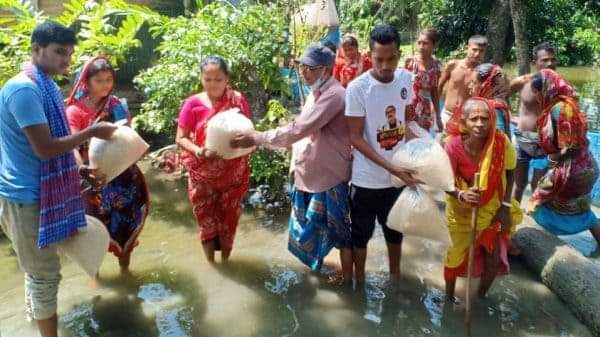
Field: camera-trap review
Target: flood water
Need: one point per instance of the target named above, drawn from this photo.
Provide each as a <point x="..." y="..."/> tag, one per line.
<point x="264" y="291"/>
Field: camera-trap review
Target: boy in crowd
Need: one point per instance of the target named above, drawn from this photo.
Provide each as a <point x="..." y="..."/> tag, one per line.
<point x="458" y="73"/>
<point x="40" y="201"/>
<point x="544" y="57"/>
<point x="379" y="97"/>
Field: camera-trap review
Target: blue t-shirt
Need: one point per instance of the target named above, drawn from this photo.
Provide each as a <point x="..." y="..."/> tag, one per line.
<point x="20" y="106"/>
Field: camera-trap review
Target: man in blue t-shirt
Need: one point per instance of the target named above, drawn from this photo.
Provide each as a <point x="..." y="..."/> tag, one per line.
<point x="26" y="140"/>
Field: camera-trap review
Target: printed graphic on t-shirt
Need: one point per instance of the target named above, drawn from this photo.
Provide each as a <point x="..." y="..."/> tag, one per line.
<point x="390" y="134"/>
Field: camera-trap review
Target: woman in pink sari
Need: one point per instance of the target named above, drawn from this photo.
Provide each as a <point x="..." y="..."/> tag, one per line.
<point x="216" y="186"/>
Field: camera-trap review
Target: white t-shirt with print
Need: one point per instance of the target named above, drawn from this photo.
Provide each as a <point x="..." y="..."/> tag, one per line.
<point x="383" y="106"/>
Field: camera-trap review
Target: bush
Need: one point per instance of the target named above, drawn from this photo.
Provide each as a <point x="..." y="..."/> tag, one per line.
<point x="253" y="39"/>
<point x="271" y="167"/>
<point x="571" y="25"/>
<point x="109" y="29"/>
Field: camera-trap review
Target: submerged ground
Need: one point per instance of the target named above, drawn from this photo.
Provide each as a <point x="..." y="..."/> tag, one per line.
<point x="265" y="291"/>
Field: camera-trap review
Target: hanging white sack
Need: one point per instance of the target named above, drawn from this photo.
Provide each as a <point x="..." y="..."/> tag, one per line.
<point x="415" y="213"/>
<point x="88" y="247"/>
<point x="222" y="128"/>
<point x="323" y="13"/>
<point x="427" y="157"/>
<point x="302" y="16"/>
<point x="113" y="156"/>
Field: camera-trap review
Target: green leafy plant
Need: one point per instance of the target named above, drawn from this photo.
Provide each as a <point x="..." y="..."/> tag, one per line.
<point x="252" y="38"/>
<point x="271" y="167"/>
<point x="107" y="28"/>
<point x="15" y="36"/>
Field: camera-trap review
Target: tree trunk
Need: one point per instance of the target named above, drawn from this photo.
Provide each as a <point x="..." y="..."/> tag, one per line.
<point x="518" y="14"/>
<point x="497" y="31"/>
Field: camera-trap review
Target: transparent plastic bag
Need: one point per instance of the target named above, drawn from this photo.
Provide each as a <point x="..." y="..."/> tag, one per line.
<point x="427" y="157"/>
<point x="221" y="129"/>
<point x="415" y="213"/>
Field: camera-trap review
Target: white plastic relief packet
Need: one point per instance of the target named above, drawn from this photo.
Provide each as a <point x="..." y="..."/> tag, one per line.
<point x="222" y="128"/>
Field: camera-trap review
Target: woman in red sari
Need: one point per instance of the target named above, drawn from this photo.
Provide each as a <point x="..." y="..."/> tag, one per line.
<point x="122" y="205"/>
<point x="215" y="186"/>
<point x="427" y="71"/>
<point x="562" y="200"/>
<point x="489" y="81"/>
<point x="350" y="63"/>
<point x="475" y="145"/>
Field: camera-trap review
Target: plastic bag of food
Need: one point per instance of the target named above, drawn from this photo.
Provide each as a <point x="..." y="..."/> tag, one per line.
<point x="319" y="13"/>
<point x="88" y="247"/>
<point x="427" y="157"/>
<point x="415" y="213"/>
<point x="113" y="156"/>
<point x="221" y="129"/>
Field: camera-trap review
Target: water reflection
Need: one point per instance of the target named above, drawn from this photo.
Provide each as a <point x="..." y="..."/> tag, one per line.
<point x="162" y="303"/>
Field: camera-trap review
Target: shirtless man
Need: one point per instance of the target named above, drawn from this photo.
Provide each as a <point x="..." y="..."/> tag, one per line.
<point x="458" y="73"/>
<point x="544" y="57"/>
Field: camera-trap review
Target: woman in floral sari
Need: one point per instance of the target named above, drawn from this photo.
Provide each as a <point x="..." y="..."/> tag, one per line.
<point x="489" y="81"/>
<point x="474" y="145"/>
<point x="350" y="63"/>
<point x="427" y="71"/>
<point x="562" y="201"/>
<point x="122" y="205"/>
<point x="215" y="186"/>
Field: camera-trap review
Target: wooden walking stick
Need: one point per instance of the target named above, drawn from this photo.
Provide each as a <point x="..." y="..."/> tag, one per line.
<point x="474" y="215"/>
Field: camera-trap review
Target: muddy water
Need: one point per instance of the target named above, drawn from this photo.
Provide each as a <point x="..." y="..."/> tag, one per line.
<point x="264" y="291"/>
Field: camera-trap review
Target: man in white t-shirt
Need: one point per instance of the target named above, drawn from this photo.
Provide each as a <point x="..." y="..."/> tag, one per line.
<point x="376" y="105"/>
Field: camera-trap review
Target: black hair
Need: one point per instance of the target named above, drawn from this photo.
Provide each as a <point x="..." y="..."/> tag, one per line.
<point x="350" y="40"/>
<point x="483" y="71"/>
<point x="431" y="34"/>
<point x="537" y="81"/>
<point x="546" y="46"/>
<point x="98" y="66"/>
<point x="216" y="60"/>
<point x="478" y="40"/>
<point x="330" y="45"/>
<point x="53" y="32"/>
<point x="384" y="34"/>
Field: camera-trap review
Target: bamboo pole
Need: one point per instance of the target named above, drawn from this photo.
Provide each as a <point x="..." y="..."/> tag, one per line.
<point x="474" y="215"/>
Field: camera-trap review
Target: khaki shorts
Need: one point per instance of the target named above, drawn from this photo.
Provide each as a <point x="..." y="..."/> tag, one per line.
<point x="20" y="222"/>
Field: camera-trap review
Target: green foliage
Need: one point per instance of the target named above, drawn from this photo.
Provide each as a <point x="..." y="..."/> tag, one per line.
<point x="571" y="25"/>
<point x="15" y="36"/>
<point x="455" y="20"/>
<point x="271" y="167"/>
<point x="359" y="17"/>
<point x="253" y="39"/>
<point x="108" y="28"/>
<point x="304" y="35"/>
